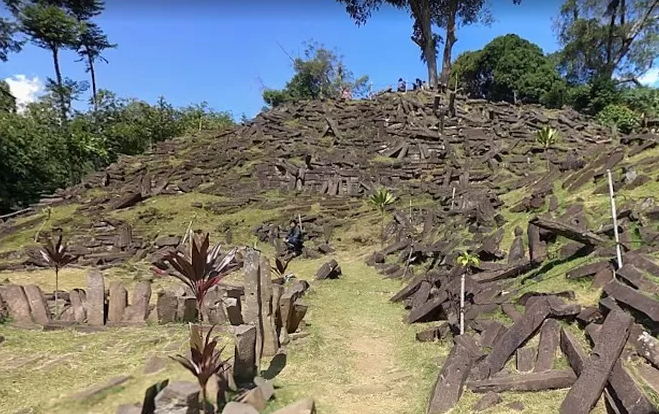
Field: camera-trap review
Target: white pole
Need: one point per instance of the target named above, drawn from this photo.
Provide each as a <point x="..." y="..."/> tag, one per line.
<point x="462" y="304"/>
<point x="615" y="220"/>
<point x="453" y="198"/>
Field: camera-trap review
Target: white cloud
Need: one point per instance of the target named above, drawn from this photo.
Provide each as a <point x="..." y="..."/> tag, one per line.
<point x="650" y="78"/>
<point x="24" y="89"/>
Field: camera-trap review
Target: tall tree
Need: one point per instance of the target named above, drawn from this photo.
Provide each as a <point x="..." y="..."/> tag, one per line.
<point x="425" y="14"/>
<point x="49" y="27"/>
<point x="608" y="38"/>
<point x="91" y="41"/>
<point x="7" y="100"/>
<point x="8" y="41"/>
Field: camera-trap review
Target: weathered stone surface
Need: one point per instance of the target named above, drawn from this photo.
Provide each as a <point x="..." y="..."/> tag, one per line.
<point x="438" y="332"/>
<point x="635" y="277"/>
<point x="549" y="339"/>
<point x="450" y="381"/>
<point x="650" y="375"/>
<point x="166" y="306"/>
<point x="525" y="359"/>
<point x="244" y="365"/>
<point x="634" y="299"/>
<point x="129" y="409"/>
<point x="37" y="302"/>
<point x="299" y="311"/>
<point x="259" y="396"/>
<point x="234" y="311"/>
<point x="234" y="407"/>
<point x="490" y="399"/>
<point x="492" y="333"/>
<point x="625" y="395"/>
<point x="572" y="350"/>
<point x="252" y="313"/>
<point x="513" y="338"/>
<point x="118" y="301"/>
<point x="153" y="364"/>
<point x="138" y="310"/>
<point x="270" y="338"/>
<point x="586" y="391"/>
<point x="178" y="397"/>
<point x="536" y="381"/>
<point x="305" y="406"/>
<point x="16" y="300"/>
<point x="95" y="301"/>
<point x="78" y="297"/>
<point x="588" y="270"/>
<point x="329" y="270"/>
<point x="645" y="344"/>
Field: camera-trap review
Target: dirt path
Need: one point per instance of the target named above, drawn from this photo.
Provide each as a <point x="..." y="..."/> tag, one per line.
<point x="360" y="357"/>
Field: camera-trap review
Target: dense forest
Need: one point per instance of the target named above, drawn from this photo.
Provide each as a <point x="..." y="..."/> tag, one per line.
<point x="49" y="144"/>
<point x="606" y="48"/>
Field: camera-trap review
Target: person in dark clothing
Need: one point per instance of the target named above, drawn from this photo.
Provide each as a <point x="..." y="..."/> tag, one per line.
<point x="402" y="87"/>
<point x="294" y="238"/>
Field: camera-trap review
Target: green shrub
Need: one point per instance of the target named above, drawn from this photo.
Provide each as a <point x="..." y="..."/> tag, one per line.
<point x="622" y="117"/>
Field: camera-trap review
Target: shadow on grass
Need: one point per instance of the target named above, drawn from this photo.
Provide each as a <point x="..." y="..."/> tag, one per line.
<point x="277" y="365"/>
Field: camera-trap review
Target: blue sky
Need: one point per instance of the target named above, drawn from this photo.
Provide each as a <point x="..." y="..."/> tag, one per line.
<point x="226" y="53"/>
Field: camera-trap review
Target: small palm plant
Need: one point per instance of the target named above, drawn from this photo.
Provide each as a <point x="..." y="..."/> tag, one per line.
<point x="204" y="362"/>
<point x="200" y="268"/>
<point x="381" y="199"/>
<point x="54" y="252"/>
<point x="465" y="260"/>
<point x="546" y="137"/>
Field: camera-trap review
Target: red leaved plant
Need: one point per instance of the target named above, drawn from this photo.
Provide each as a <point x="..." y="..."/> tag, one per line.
<point x="280" y="266"/>
<point x="205" y="361"/>
<point x="200" y="268"/>
<point x="55" y="254"/>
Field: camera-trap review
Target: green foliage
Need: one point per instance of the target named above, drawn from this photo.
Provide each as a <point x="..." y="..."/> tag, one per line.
<point x="467" y="259"/>
<point x="381" y="199"/>
<point x="320" y="74"/>
<point x="7" y="100"/>
<point x="602" y="38"/>
<point x="642" y="100"/>
<point x="505" y="67"/>
<point x="623" y="118"/>
<point x="547" y="137"/>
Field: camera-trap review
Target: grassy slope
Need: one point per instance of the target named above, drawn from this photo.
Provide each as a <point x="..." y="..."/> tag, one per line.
<point x="360" y="357"/>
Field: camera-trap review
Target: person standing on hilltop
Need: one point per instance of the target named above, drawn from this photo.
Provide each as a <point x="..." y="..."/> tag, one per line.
<point x="402" y="87"/>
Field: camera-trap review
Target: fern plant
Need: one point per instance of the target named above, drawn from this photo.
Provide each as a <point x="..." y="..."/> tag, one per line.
<point x="381" y="199"/>
<point x="546" y="137"/>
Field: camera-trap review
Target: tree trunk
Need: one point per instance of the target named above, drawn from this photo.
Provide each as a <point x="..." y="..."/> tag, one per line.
<point x="60" y="84"/>
<point x="431" y="61"/>
<point x="92" y="73"/>
<point x="449" y="41"/>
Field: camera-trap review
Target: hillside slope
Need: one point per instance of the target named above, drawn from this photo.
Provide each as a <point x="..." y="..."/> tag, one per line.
<point x="468" y="175"/>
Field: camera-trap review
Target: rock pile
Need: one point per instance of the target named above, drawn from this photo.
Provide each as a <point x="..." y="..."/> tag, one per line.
<point x="418" y="144"/>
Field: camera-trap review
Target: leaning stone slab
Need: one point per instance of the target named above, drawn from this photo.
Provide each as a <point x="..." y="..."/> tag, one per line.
<point x="166" y="306"/>
<point x="513" y="338"/>
<point x="536" y="381"/>
<point x="490" y="399"/>
<point x="572" y="350"/>
<point x="38" y="305"/>
<point x="244" y="365"/>
<point x="588" y="270"/>
<point x="15" y="298"/>
<point x="270" y="339"/>
<point x="633" y="298"/>
<point x="549" y="338"/>
<point x="650" y="375"/>
<point x="587" y="390"/>
<point x="95" y="298"/>
<point x="178" y="397"/>
<point x="138" y="311"/>
<point x="637" y="279"/>
<point x="525" y="359"/>
<point x="234" y="407"/>
<point x="118" y="301"/>
<point x="450" y="381"/>
<point x="626" y="395"/>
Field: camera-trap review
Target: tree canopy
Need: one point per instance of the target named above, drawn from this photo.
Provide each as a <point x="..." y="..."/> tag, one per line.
<point x="321" y="73"/>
